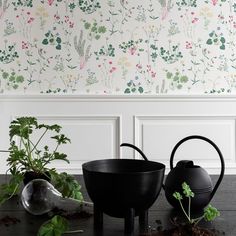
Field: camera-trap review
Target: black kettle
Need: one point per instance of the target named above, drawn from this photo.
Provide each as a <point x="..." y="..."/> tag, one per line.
<point x="195" y="176"/>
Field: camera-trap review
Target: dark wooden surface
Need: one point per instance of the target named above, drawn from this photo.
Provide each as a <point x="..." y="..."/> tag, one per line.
<point x="224" y="201"/>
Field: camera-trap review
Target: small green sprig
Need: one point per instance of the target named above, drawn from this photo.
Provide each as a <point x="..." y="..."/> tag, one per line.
<point x="57" y="226"/>
<point x="210" y="212"/>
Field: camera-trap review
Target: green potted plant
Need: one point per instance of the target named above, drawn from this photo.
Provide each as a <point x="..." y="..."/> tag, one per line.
<point x="29" y="159"/>
<point x="189" y="227"/>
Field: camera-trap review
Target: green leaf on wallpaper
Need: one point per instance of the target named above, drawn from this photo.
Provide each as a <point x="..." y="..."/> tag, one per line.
<point x="222" y="47"/>
<point x="179" y="86"/>
<point x="209" y="41"/>
<point x="127" y="90"/>
<point x="47" y="34"/>
<point x="169" y="75"/>
<point x="133" y="90"/>
<point x="19" y="79"/>
<point x="222" y="40"/>
<point x="176" y="78"/>
<point x="58" y="47"/>
<point x="58" y="39"/>
<point x="87" y="25"/>
<point x="5" y="75"/>
<point x="140" y="89"/>
<point x="97" y="37"/>
<point x="212" y="33"/>
<point x="51" y="40"/>
<point x="31" y="63"/>
<point x="45" y="42"/>
<point x="102" y="29"/>
<point x="184" y="79"/>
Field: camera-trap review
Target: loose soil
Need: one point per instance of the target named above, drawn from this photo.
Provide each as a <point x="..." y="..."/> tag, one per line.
<point x="8" y="221"/>
<point x="186" y="230"/>
<point x="69" y="215"/>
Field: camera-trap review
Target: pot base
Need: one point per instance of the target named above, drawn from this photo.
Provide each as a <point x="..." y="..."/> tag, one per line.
<point x="128" y="220"/>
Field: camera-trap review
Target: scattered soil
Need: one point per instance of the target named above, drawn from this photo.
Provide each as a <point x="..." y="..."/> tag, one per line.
<point x="74" y="215"/>
<point x="183" y="229"/>
<point x="8" y="221"/>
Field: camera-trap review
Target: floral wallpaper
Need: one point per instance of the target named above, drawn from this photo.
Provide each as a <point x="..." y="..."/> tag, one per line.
<point x="117" y="47"/>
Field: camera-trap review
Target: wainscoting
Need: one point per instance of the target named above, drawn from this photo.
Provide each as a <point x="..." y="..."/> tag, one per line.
<point x="97" y="125"/>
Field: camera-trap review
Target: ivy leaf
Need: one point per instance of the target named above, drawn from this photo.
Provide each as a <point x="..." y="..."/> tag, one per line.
<point x="140" y="89"/>
<point x="209" y="42"/>
<point x="222" y="47"/>
<point x="57" y="226"/>
<point x="169" y="75"/>
<point x="184" y="79"/>
<point x="127" y="90"/>
<point x="45" y="42"/>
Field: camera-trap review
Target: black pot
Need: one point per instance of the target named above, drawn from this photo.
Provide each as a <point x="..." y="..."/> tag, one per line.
<point x="31" y="175"/>
<point x="195" y="176"/>
<point x="123" y="187"/>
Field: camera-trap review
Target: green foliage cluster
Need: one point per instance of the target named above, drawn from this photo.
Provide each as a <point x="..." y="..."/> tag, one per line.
<point x="55" y="227"/>
<point x="105" y="51"/>
<point x="89" y="6"/>
<point x="210" y="212"/>
<point x="172" y="55"/>
<point x="9" y="54"/>
<point x="133" y="87"/>
<point x="52" y="39"/>
<point x="13" y="80"/>
<point x="95" y="31"/>
<point x="187" y="3"/>
<point x="22" y="3"/>
<point x="178" y="80"/>
<point x="216" y="39"/>
<point x="131" y="44"/>
<point x="25" y="156"/>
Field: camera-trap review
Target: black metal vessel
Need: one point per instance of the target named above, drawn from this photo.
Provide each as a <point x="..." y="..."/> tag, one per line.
<point x="123" y="188"/>
<point x="195" y="176"/>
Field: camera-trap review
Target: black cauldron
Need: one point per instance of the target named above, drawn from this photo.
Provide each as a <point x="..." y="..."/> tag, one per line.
<point x="123" y="188"/>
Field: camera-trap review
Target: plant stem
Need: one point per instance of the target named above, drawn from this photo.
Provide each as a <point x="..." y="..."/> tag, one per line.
<point x="28" y="154"/>
<point x="189" y="206"/>
<point x="39" y="139"/>
<point x="197" y="220"/>
<point x="50" y="159"/>
<point x="74" y="231"/>
<point x="184" y="211"/>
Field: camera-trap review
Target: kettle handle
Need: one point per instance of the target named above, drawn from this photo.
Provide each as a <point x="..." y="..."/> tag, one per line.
<point x="216" y="148"/>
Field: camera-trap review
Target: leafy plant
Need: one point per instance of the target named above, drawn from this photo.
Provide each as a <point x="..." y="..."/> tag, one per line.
<point x="89" y="6"/>
<point x="216" y="39"/>
<point x="12" y="79"/>
<point x="55" y="227"/>
<point x="9" y="54"/>
<point x="25" y="156"/>
<point x="95" y="30"/>
<point x="51" y="39"/>
<point x="210" y="212"/>
<point x="177" y="80"/>
<point x="134" y="87"/>
<point x="171" y="55"/>
<point x="108" y="51"/>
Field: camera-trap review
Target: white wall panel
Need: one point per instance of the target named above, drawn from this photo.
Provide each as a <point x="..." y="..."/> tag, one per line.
<point x="98" y="124"/>
<point x="157" y="136"/>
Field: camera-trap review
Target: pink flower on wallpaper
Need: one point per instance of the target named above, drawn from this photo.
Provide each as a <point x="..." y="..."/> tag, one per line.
<point x="214" y="2"/>
<point x="132" y="50"/>
<point x="50" y="2"/>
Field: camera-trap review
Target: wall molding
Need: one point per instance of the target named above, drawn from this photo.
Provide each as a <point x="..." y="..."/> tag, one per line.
<point x="118" y="98"/>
